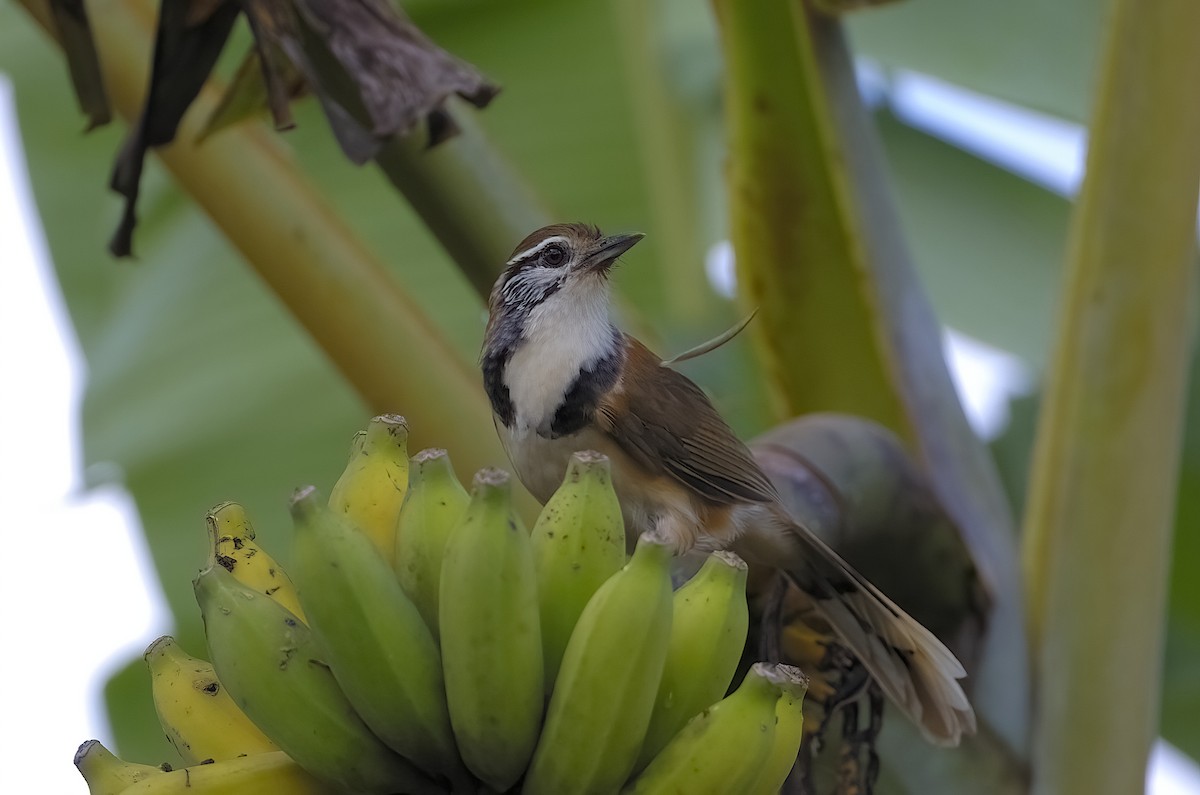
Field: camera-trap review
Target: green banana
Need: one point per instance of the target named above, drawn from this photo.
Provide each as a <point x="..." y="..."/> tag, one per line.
<point x="789" y="731"/>
<point x="197" y="714"/>
<point x="372" y="487"/>
<point x="722" y="749"/>
<point x="491" y="644"/>
<point x="708" y="632"/>
<point x="271" y="773"/>
<point x="374" y="640"/>
<point x="602" y="700"/>
<point x="435" y="503"/>
<point x="233" y="546"/>
<point x="578" y="543"/>
<point x="108" y="774"/>
<point x="274" y="669"/>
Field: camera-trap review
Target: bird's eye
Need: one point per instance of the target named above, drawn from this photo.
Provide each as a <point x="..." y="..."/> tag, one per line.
<point x="554" y="256"/>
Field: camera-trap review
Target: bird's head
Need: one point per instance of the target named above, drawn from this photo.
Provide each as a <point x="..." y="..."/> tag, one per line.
<point x="559" y="270"/>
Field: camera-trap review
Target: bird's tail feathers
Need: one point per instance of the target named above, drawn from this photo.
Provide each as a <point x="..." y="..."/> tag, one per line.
<point x="913" y="668"/>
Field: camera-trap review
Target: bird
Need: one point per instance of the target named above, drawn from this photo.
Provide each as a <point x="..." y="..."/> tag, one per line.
<point x="562" y="377"/>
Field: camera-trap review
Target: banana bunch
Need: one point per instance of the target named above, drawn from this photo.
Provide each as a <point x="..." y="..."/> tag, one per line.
<point x="426" y="642"/>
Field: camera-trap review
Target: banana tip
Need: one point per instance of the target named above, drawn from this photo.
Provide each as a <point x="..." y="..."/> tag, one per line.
<point x="157" y="646"/>
<point x="85" y="750"/>
<point x="492" y="476"/>
<point x="785" y="676"/>
<point x="429" y="454"/>
<point x="589" y="456"/>
<point x="730" y="559"/>
<point x="395" y="423"/>
<point x="302" y="498"/>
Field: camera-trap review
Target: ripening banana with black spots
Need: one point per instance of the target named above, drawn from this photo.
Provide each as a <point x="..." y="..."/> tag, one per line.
<point x="789" y="731"/>
<point x="234" y="546"/>
<point x="274" y="669"/>
<point x="491" y="644"/>
<point x="721" y="750"/>
<point x="374" y="639"/>
<point x="610" y="672"/>
<point x="273" y="773"/>
<point x="372" y="487"/>
<point x="196" y="712"/>
<point x="435" y="503"/>
<point x="578" y="543"/>
<point x="709" y="622"/>
<point x="108" y="774"/>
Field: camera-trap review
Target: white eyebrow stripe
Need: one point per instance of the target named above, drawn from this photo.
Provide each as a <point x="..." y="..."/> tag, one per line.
<point x="529" y="252"/>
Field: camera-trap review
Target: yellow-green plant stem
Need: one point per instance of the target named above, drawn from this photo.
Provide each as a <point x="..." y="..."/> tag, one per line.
<point x="1105" y="465"/>
<point x="844" y="324"/>
<point x="392" y="353"/>
<point x="800" y="257"/>
<point x="468" y="196"/>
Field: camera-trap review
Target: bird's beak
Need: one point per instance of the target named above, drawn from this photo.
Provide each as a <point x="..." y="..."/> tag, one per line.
<point x="606" y="250"/>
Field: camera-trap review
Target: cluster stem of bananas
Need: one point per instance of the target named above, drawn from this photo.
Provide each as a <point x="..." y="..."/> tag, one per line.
<point x="431" y="644"/>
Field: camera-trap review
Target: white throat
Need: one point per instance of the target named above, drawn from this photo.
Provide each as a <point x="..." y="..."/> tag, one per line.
<point x="566" y="333"/>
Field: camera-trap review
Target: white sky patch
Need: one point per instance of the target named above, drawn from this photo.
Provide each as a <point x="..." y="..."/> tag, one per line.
<point x="986" y="378"/>
<point x="718" y="264"/>
<point x="79" y="595"/>
<point x="1046" y="150"/>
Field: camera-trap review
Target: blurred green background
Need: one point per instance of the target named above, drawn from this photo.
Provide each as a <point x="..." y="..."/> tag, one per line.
<point x="202" y="388"/>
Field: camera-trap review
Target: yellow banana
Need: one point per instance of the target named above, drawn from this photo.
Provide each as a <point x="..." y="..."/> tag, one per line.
<point x="578" y="543"/>
<point x="374" y="640"/>
<point x="435" y="503"/>
<point x="491" y="645"/>
<point x="199" y="717"/>
<point x="602" y="700"/>
<point x="721" y="750"/>
<point x="372" y="487"/>
<point x="789" y="731"/>
<point x="108" y="774"/>
<point x="272" y="773"/>
<point x="274" y="669"/>
<point x="708" y="631"/>
<point x="234" y="547"/>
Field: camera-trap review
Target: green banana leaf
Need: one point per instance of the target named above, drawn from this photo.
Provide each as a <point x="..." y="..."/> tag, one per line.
<point x="204" y="389"/>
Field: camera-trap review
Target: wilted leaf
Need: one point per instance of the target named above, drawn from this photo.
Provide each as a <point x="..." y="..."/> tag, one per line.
<point x="184" y="54"/>
<point x="71" y="19"/>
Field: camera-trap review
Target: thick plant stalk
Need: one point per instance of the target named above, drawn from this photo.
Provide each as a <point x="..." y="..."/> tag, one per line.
<point x="390" y="351"/>
<point x="844" y="325"/>
<point x="468" y="196"/>
<point x="1105" y="466"/>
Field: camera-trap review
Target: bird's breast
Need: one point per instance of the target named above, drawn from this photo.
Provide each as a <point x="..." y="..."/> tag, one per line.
<point x="541" y="461"/>
<point x="554" y="382"/>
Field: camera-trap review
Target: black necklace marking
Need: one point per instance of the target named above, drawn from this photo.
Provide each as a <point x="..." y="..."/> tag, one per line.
<point x="493" y="383"/>
<point x="581" y="399"/>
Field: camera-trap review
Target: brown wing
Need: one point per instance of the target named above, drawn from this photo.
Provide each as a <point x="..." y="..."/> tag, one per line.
<point x="667" y="424"/>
